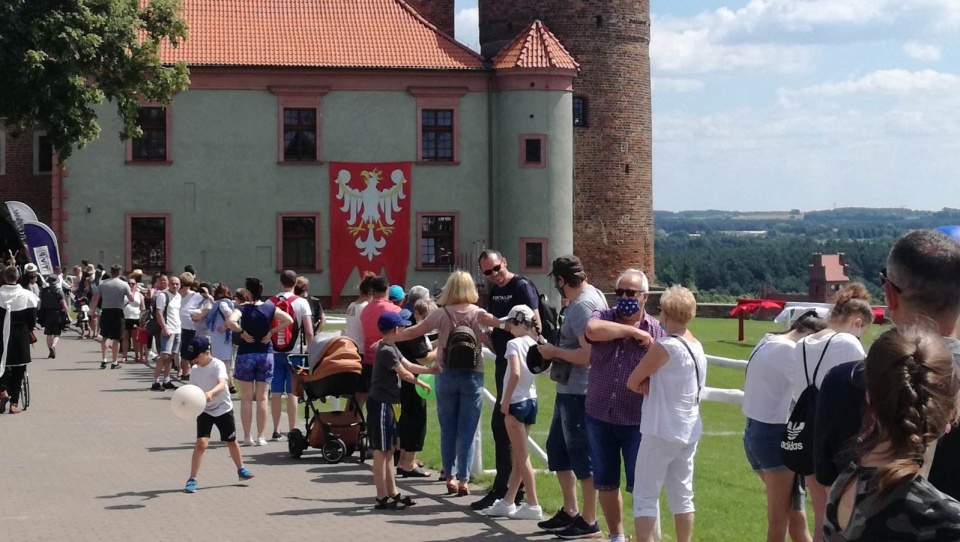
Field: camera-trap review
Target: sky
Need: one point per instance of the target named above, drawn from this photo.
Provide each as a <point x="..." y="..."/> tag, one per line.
<point x="800" y="104"/>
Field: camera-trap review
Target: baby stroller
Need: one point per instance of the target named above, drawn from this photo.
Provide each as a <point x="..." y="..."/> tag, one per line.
<point x="334" y="371"/>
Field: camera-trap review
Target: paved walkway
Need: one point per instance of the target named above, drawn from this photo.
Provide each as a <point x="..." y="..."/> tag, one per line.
<point x="98" y="456"/>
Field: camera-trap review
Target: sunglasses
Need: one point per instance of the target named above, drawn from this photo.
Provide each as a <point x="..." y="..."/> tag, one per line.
<point x="492" y="270"/>
<point x="626" y="291"/>
<point x="885" y="280"/>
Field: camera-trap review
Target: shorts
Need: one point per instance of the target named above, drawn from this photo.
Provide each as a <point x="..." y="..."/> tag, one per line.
<point x="382" y="424"/>
<point x="254" y="367"/>
<point x="525" y="411"/>
<point x="52" y="324"/>
<point x="661" y="463"/>
<point x="131" y="323"/>
<point x="568" y="447"/>
<point x="281" y="382"/>
<point x="224" y="422"/>
<point x="609" y="442"/>
<point x="761" y="443"/>
<point x="186" y="336"/>
<point x="366" y="377"/>
<point x="169" y="345"/>
<point x="111" y="324"/>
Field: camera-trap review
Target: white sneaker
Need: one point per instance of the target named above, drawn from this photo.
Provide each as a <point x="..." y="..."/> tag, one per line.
<point x="261" y="441"/>
<point x="525" y="511"/>
<point x="247" y="442"/>
<point x="500" y="509"/>
<point x="151" y="355"/>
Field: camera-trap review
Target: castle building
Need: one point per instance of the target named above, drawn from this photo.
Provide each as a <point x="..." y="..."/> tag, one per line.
<point x="334" y="137"/>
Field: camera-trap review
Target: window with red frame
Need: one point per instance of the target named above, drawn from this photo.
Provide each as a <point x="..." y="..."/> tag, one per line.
<point x="437" y="243"/>
<point x="299" y="242"/>
<point x="152" y="145"/>
<point x="436" y="132"/>
<point x="148" y="244"/>
<point x="299" y="134"/>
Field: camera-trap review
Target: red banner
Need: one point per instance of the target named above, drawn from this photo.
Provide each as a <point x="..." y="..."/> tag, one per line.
<point x="369" y="221"/>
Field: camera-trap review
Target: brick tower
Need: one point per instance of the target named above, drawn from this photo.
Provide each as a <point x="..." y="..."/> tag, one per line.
<point x="613" y="166"/>
<point x="438" y="12"/>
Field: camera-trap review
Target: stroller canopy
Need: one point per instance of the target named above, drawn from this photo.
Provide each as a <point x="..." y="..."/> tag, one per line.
<point x="330" y="353"/>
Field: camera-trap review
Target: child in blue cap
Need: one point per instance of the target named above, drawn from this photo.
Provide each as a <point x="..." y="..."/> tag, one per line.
<point x="383" y="407"/>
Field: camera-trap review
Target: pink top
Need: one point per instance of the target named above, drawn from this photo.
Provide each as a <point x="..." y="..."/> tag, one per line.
<point x="368" y="320"/>
<point x="440" y="321"/>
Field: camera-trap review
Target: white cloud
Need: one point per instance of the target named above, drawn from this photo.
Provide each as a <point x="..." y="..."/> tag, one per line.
<point x="467" y="28"/>
<point x="888" y="82"/>
<point x="924" y="52"/>
<point x="696" y="51"/>
<point x="669" y="84"/>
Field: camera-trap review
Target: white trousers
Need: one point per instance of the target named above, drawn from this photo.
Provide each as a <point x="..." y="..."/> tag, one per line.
<point x="663" y="462"/>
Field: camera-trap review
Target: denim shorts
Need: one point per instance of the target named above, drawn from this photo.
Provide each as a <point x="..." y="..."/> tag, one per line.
<point x="609" y="443"/>
<point x="568" y="448"/>
<point x="525" y="411"/>
<point x="281" y="374"/>
<point x="761" y="442"/>
<point x="170" y="345"/>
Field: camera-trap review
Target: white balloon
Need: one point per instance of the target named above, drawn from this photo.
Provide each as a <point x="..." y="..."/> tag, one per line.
<point x="188" y="402"/>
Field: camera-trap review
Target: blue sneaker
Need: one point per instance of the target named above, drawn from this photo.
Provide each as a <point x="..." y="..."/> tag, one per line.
<point x="244" y="474"/>
<point x="191" y="486"/>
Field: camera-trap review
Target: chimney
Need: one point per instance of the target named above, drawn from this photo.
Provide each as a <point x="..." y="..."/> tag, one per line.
<point x="438" y="12"/>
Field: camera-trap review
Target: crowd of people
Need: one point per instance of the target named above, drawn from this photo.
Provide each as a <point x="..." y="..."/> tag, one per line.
<point x="866" y="434"/>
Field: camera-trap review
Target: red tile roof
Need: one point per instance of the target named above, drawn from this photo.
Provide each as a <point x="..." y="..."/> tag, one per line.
<point x="315" y="33"/>
<point x="832" y="269"/>
<point x="535" y="47"/>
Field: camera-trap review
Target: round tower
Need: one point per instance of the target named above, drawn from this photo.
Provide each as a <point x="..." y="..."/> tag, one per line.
<point x="613" y="165"/>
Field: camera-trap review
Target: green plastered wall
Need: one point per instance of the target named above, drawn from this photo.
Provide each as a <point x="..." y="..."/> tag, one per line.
<point x="534" y="202"/>
<point x="224" y="187"/>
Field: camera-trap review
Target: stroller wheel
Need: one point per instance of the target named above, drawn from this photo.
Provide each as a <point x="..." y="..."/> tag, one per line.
<point x="296" y="443"/>
<point x="334" y="450"/>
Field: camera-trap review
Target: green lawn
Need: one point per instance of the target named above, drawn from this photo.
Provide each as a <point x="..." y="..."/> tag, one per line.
<point x="729" y="497"/>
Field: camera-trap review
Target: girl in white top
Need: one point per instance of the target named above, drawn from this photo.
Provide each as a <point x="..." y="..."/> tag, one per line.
<point x="354" y="327"/>
<point x="847" y="323"/>
<point x="131" y="317"/>
<point x="671" y="377"/>
<point x="767" y="388"/>
<point x="519" y="406"/>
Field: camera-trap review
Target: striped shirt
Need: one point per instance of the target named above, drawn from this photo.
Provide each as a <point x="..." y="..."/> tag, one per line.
<point x="611" y="362"/>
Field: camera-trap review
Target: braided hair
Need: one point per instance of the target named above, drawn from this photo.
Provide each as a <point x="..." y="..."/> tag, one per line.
<point x="912" y="387"/>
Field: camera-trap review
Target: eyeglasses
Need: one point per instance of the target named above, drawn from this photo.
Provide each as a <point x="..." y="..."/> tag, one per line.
<point x="885" y="280"/>
<point x="492" y="270"/>
<point x="626" y="291"/>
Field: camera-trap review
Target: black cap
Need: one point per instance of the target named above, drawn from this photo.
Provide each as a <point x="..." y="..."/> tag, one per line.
<point x="535" y="361"/>
<point x="566" y="266"/>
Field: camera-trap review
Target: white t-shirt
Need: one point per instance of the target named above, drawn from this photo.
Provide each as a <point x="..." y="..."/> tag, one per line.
<point x="207" y="378"/>
<point x="768" y="384"/>
<point x="354" y="327"/>
<point x="131" y="310"/>
<point x="526" y="387"/>
<point x="843" y="347"/>
<point x="188" y="304"/>
<point x="173" y="312"/>
<point x="671" y="410"/>
<point x="301" y="307"/>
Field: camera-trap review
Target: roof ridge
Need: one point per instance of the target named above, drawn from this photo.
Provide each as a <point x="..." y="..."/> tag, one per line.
<point x="426" y="22"/>
<point x="533" y="46"/>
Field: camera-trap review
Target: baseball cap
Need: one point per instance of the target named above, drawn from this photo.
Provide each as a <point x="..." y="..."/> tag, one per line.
<point x="535" y="361"/>
<point x="198" y="345"/>
<point x="564" y="266"/>
<point x="396" y="293"/>
<point x="520" y="313"/>
<point x="52" y="279"/>
<point x="406" y="314"/>
<point x="389" y="321"/>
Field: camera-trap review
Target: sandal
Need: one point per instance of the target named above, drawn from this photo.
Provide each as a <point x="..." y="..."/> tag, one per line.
<point x="404" y="501"/>
<point x="451" y="486"/>
<point x="463" y="490"/>
<point x="414" y="473"/>
<point x="388" y="503"/>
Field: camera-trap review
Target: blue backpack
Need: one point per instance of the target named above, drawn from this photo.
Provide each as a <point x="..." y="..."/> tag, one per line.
<point x="211" y="318"/>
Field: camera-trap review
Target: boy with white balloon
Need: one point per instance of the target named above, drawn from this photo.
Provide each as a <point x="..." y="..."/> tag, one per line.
<point x="207" y="401"/>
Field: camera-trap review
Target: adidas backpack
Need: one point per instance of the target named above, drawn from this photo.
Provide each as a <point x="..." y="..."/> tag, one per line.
<point x="286" y="339"/>
<point x="462" y="350"/>
<point x="796" y="447"/>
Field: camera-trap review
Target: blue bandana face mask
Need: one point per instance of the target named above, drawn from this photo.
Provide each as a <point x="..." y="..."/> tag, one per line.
<point x="628" y="306"/>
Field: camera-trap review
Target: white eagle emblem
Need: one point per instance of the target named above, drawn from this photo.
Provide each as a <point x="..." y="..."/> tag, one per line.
<point x="369" y="203"/>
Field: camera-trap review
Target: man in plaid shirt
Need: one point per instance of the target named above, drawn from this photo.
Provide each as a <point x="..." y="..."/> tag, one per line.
<point x="619" y="339"/>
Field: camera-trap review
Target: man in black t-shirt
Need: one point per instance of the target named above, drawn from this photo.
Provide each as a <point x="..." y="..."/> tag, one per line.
<point x="507" y="291"/>
<point x="921" y="284"/>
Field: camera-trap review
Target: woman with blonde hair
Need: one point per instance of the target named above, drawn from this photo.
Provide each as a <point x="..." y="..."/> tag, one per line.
<point x="459" y="385"/>
<point x="911" y="387"/>
<point x="671" y="377"/>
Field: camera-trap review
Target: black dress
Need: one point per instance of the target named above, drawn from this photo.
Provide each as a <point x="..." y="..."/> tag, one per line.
<point x="20" y="306"/>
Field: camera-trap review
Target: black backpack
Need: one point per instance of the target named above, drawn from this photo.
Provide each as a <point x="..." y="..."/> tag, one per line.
<point x="49" y="299"/>
<point x="796" y="447"/>
<point x="549" y="321"/>
<point x="462" y="350"/>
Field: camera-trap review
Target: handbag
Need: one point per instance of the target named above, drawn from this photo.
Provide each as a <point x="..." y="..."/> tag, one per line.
<point x="33" y="337"/>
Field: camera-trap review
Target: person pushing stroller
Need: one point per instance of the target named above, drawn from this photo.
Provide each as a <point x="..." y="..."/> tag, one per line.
<point x="383" y="407"/>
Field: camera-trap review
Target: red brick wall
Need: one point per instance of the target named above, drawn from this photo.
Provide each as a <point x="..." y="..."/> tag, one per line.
<point x="613" y="164"/>
<point x="18" y="183"/>
<point x="438" y="12"/>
